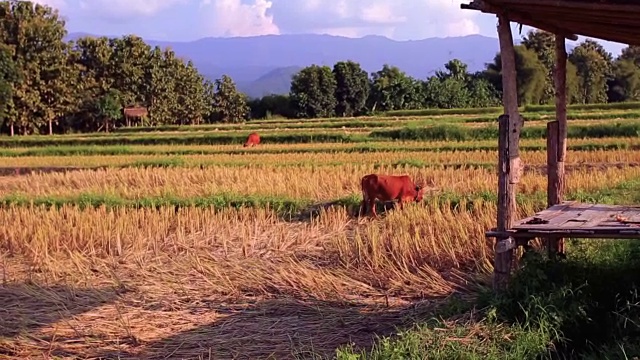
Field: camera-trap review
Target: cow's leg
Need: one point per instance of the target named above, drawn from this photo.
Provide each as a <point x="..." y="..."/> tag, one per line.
<point x="372" y="205"/>
<point x="363" y="205"/>
<point x="401" y="203"/>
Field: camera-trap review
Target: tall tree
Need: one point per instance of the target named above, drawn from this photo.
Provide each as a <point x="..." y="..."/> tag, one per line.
<point x="127" y="65"/>
<point x="625" y="84"/>
<point x="530" y="75"/>
<point x="8" y="75"/>
<point x="631" y="53"/>
<point x="109" y="108"/>
<point x="191" y="96"/>
<point x="35" y="34"/>
<point x="393" y="89"/>
<point x="625" y="81"/>
<point x="543" y="43"/>
<point x="352" y="88"/>
<point x="313" y="92"/>
<point x="229" y="105"/>
<point x="448" y="89"/>
<point x="594" y="68"/>
<point x="456" y="69"/>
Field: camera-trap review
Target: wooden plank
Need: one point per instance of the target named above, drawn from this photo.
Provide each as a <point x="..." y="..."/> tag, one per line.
<point x="588" y="216"/>
<point x="584" y="234"/>
<point x="635" y="217"/>
<point x="605" y="233"/>
<point x="565" y="218"/>
<point x="545" y="214"/>
<point x="554" y="218"/>
<point x="621" y="217"/>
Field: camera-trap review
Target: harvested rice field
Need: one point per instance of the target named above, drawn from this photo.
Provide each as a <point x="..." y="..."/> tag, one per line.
<point x="179" y="243"/>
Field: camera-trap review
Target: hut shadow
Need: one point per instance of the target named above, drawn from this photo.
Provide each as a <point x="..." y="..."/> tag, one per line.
<point x="26" y="308"/>
<point x="282" y="329"/>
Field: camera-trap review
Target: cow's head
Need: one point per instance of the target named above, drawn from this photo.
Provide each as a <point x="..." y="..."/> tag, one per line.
<point x="419" y="193"/>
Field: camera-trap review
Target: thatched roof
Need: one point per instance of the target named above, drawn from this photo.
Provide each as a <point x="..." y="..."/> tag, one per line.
<point x="613" y="20"/>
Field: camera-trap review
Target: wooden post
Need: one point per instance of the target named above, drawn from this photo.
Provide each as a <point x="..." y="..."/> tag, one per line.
<point x="509" y="164"/>
<point x="557" y="139"/>
<point x="553" y="195"/>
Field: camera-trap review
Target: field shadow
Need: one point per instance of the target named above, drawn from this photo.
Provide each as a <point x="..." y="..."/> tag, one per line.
<point x="27" y="308"/>
<point x="23" y="171"/>
<point x="282" y="329"/>
<point x="353" y="209"/>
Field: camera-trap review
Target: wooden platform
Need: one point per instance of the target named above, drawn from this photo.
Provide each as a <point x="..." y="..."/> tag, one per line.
<point x="579" y="220"/>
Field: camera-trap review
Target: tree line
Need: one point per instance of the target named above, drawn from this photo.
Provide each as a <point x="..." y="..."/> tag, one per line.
<point x="593" y="76"/>
<point x="49" y="85"/>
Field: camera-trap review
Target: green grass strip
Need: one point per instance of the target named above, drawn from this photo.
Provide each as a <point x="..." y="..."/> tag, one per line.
<point x="459" y="133"/>
<point x="116" y="150"/>
<point x="438" y="132"/>
<point x="362" y="123"/>
<point x="227" y="200"/>
<point x="528" y="108"/>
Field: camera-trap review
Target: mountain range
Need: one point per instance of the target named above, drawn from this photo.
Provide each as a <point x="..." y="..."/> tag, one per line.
<point x="265" y="64"/>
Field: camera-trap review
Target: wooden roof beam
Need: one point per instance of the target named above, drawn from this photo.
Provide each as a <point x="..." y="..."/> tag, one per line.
<point x="574" y="5"/>
<point x="613" y="17"/>
<point x="519" y="18"/>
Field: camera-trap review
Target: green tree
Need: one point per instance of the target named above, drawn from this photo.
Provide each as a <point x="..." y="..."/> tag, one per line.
<point x="625" y="80"/>
<point x="393" y="89"/>
<point x="456" y="69"/>
<point x="625" y="84"/>
<point x="8" y="75"/>
<point x="446" y="93"/>
<point x="481" y="92"/>
<point x="127" y="66"/>
<point x="35" y="34"/>
<point x="594" y="69"/>
<point x="631" y="53"/>
<point x="530" y="75"/>
<point x="229" y="105"/>
<point x="192" y="100"/>
<point x="352" y="88"/>
<point x="313" y="92"/>
<point x="543" y="43"/>
<point x="271" y="105"/>
<point x="109" y="108"/>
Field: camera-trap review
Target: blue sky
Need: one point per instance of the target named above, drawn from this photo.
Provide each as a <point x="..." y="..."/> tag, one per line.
<point x="181" y="20"/>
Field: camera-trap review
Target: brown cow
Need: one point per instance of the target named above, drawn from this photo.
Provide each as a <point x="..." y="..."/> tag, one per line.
<point x="252" y="140"/>
<point x="387" y="188"/>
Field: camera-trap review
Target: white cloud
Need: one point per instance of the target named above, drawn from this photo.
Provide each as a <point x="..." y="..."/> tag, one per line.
<point x="127" y="9"/>
<point x="234" y="18"/>
<point x="402" y="19"/>
<point x="381" y="13"/>
<point x="56" y="4"/>
<point x="398" y="19"/>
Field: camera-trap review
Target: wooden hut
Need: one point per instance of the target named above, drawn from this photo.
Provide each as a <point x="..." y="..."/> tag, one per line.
<point x="613" y="20"/>
<point x="132" y="112"/>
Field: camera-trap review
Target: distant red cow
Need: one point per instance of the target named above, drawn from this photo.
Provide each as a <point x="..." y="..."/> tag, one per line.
<point x="252" y="140"/>
<point x="387" y="188"/>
